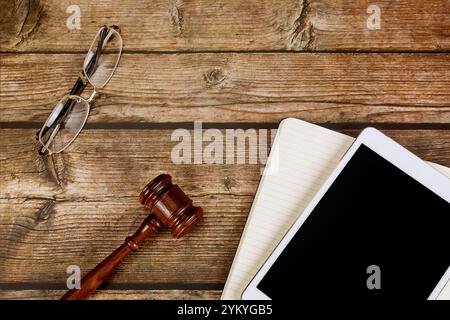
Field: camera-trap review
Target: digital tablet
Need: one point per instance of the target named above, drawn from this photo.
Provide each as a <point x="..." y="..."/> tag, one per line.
<point x="379" y="228"/>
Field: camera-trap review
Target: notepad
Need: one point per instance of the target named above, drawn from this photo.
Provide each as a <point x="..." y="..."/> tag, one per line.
<point x="303" y="156"/>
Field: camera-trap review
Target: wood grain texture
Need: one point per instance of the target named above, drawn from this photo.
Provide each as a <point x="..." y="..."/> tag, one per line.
<point x="114" y="294"/>
<point x="48" y="227"/>
<point x="224" y="62"/>
<point x="339" y="88"/>
<point x="41" y="243"/>
<point x="121" y="162"/>
<point x="224" y="25"/>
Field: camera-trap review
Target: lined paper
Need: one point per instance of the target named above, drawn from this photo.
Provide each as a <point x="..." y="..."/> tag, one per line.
<point x="303" y="156"/>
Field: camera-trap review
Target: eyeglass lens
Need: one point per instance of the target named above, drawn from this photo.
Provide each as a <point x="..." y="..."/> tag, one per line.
<point x="103" y="57"/>
<point x="69" y="115"/>
<point x="57" y="135"/>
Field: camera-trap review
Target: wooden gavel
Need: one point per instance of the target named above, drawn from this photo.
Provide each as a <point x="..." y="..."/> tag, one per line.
<point x="169" y="206"/>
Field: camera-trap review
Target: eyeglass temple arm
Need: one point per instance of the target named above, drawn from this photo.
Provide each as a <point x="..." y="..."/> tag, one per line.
<point x="103" y="39"/>
<point x="82" y="82"/>
<point x="90" y="68"/>
<point x="77" y="89"/>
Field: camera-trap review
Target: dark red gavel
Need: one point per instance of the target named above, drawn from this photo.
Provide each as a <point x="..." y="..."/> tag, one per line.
<point x="170" y="207"/>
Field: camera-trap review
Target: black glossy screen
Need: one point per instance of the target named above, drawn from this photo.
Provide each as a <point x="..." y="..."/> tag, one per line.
<point x="373" y="214"/>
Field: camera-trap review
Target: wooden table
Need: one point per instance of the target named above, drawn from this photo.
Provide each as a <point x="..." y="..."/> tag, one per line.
<point x="229" y="63"/>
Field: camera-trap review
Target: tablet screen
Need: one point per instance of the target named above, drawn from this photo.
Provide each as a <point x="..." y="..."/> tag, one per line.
<point x="376" y="233"/>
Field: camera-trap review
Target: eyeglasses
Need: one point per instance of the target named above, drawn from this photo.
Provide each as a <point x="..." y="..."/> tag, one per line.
<point x="70" y="114"/>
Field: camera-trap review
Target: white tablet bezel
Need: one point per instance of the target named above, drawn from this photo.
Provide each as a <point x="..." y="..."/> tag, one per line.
<point x="392" y="152"/>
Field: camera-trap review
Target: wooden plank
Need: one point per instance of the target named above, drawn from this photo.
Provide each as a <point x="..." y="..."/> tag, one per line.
<point x="407" y="88"/>
<point x="114" y="294"/>
<point x="117" y="164"/>
<point x="44" y="237"/>
<point x="236" y="25"/>
<point x="46" y="227"/>
<point x="117" y="168"/>
<point x="108" y="215"/>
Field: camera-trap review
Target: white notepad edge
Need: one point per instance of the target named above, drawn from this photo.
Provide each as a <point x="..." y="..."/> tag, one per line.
<point x="275" y="144"/>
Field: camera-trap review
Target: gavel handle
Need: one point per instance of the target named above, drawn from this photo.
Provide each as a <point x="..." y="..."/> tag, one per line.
<point x="92" y="280"/>
<point x="99" y="274"/>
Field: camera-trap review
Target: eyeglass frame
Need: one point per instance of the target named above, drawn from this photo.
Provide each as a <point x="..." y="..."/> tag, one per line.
<point x="75" y="93"/>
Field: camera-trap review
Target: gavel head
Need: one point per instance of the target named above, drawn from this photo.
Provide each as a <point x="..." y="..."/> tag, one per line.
<point x="170" y="205"/>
